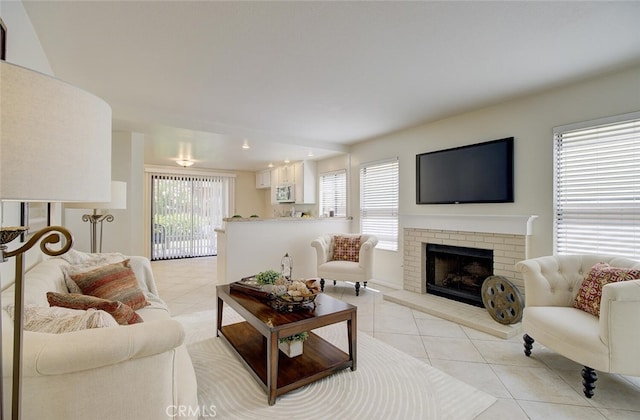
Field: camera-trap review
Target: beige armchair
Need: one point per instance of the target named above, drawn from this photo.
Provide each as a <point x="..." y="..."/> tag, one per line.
<point x="334" y="264"/>
<point x="608" y="343"/>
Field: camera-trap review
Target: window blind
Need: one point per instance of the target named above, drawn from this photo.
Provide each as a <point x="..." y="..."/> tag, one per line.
<point x="186" y="210"/>
<point x="379" y="202"/>
<point x="333" y="193"/>
<point x="597" y="187"/>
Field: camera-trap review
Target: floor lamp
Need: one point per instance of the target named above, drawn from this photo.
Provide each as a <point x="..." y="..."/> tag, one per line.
<point x="118" y="202"/>
<point x="55" y="146"/>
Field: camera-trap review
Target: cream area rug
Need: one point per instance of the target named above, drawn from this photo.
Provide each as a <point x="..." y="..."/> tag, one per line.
<point x="388" y="384"/>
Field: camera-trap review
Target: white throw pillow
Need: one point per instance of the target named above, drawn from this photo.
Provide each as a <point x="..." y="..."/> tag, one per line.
<point x="78" y="257"/>
<point x="56" y="320"/>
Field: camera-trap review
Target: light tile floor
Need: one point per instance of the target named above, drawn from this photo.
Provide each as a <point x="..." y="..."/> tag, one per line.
<point x="541" y="387"/>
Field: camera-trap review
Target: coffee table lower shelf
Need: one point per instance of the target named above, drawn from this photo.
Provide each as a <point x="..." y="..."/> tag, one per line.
<point x="319" y="358"/>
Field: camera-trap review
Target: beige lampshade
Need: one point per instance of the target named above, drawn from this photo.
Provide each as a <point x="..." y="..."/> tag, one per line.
<point x="118" y="199"/>
<point x="55" y="139"/>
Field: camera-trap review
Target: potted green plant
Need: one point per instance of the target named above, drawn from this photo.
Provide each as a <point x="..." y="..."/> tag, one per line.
<point x="266" y="279"/>
<point x="292" y="346"/>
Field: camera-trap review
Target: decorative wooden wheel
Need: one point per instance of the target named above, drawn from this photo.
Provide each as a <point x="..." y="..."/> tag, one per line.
<point x="502" y="299"/>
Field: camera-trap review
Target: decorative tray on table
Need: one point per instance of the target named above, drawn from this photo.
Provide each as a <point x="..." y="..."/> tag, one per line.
<point x="284" y="295"/>
<point x="250" y="286"/>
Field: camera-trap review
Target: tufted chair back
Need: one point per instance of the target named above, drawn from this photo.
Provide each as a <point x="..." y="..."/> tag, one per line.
<point x="555" y="280"/>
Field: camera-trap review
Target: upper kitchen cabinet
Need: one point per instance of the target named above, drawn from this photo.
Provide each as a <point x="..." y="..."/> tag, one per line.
<point x="300" y="175"/>
<point x="263" y="179"/>
<point x="286" y="175"/>
<point x="305" y="177"/>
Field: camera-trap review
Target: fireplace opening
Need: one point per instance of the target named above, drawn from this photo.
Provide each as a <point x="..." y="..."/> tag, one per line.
<point x="457" y="272"/>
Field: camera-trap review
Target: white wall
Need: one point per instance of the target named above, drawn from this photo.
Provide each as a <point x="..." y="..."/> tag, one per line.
<point x="23" y="45"/>
<point x="127" y="233"/>
<point x="249" y="199"/>
<point x="530" y="120"/>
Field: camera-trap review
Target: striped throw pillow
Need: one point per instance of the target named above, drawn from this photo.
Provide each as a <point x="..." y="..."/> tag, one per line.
<point x="122" y="313"/>
<point x="112" y="282"/>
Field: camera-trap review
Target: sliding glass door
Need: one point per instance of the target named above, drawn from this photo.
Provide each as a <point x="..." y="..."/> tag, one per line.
<point x="185" y="211"/>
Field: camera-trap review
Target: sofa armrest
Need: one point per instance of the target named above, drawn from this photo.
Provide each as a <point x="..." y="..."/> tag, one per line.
<point x="142" y="269"/>
<point x="365" y="257"/>
<point x="322" y="245"/>
<point x="536" y="285"/>
<point x="619" y="314"/>
<point x="550" y="280"/>
<point x="56" y="354"/>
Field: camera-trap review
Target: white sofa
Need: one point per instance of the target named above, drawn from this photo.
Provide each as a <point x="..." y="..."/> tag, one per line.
<point x="140" y="371"/>
<point x="608" y="343"/>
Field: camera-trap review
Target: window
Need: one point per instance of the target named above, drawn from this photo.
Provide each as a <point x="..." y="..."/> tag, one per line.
<point x="379" y="202"/>
<point x="333" y="193"/>
<point x="597" y="187"/>
<point x="186" y="209"/>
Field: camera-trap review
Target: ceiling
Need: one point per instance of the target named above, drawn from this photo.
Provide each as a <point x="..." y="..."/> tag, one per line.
<point x="296" y="79"/>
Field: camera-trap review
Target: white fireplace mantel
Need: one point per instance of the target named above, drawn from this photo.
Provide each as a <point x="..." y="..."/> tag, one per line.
<point x="505" y="224"/>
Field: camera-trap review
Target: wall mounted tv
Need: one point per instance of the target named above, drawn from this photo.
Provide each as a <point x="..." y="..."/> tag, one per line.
<point x="478" y="173"/>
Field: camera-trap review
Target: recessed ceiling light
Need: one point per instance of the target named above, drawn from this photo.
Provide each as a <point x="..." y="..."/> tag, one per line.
<point x="310" y="154"/>
<point x="245" y="145"/>
<point x="185" y="162"/>
<point x="270" y="165"/>
<point x="286" y="161"/>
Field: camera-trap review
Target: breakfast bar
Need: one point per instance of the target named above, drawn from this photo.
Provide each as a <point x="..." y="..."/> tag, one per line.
<point x="247" y="246"/>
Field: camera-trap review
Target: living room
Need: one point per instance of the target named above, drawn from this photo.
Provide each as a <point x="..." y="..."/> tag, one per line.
<point x="599" y="96"/>
<point x="530" y="118"/>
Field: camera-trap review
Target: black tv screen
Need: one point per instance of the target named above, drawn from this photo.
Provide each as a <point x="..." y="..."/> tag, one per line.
<point x="478" y="173"/>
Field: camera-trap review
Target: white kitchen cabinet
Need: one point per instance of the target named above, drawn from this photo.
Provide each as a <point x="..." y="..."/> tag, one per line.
<point x="302" y="175"/>
<point x="287" y="175"/>
<point x="275" y="181"/>
<point x="263" y="179"/>
<point x="305" y="185"/>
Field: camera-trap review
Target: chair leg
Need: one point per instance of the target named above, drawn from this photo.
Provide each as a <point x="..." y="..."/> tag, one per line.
<point x="528" y="344"/>
<point x="322" y="285"/>
<point x="357" y="288"/>
<point x="334" y="282"/>
<point x="589" y="377"/>
<point x="365" y="284"/>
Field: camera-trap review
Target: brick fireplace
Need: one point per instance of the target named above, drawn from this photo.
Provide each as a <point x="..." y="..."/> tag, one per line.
<point x="505" y="236"/>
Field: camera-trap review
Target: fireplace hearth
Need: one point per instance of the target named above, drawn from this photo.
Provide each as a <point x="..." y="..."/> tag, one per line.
<point x="457" y="272"/>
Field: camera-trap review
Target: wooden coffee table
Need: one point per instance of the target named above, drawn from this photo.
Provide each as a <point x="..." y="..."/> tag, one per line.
<point x="255" y="341"/>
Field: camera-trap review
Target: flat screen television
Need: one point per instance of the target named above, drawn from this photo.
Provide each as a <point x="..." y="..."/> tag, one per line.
<point x="477" y="173"/>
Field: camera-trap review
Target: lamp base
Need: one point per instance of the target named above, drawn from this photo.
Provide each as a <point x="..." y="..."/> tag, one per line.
<point x="95" y="219"/>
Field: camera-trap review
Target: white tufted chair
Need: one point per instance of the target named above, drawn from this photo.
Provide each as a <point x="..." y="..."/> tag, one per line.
<point x="361" y="271"/>
<point x="609" y="343"/>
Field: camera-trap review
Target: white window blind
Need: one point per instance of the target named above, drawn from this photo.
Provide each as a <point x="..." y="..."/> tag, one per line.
<point x="186" y="209"/>
<point x="333" y="193"/>
<point x="597" y="187"/>
<point x="379" y="202"/>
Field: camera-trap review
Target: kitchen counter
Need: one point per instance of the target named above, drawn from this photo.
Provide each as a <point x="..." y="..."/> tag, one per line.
<point x="282" y="219"/>
<point x="247" y="246"/>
